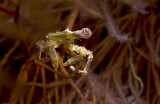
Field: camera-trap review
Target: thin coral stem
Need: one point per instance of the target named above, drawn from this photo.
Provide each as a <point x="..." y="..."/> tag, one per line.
<point x="8" y="54"/>
<point x="7" y="11"/>
<point x="134" y="71"/>
<point x="72" y="18"/>
<point x="43" y="74"/>
<point x="31" y="91"/>
<point x="118" y="87"/>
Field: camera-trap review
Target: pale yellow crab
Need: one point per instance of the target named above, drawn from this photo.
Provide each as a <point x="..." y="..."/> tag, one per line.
<point x="65" y="39"/>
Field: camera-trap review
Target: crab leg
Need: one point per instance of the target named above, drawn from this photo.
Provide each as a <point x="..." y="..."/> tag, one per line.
<point x="41" y="45"/>
<point x="83" y="52"/>
<point x="54" y="57"/>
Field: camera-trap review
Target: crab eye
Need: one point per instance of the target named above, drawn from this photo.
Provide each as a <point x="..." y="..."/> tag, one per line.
<point x="86" y="33"/>
<point x="83" y="33"/>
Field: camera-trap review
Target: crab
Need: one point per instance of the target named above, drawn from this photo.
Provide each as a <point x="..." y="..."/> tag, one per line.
<point x="65" y="39"/>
